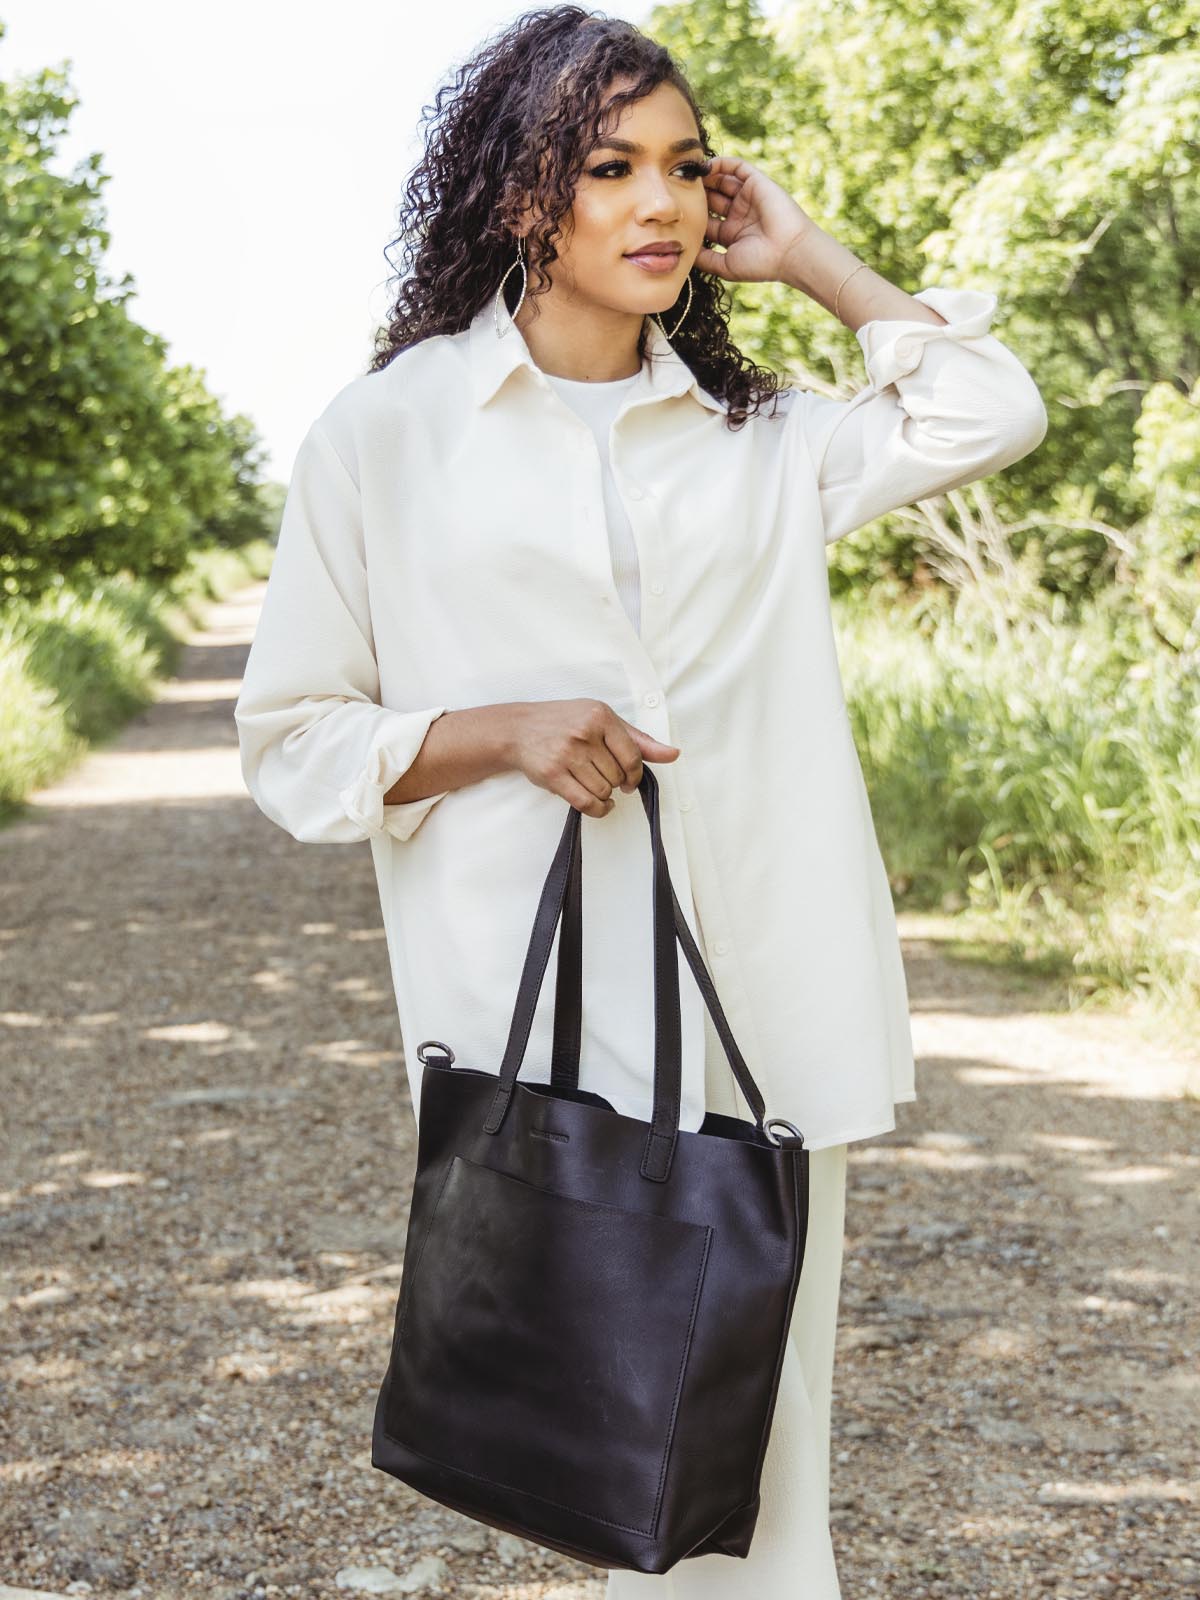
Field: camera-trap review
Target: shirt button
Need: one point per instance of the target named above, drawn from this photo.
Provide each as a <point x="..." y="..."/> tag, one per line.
<point x="635" y="493"/>
<point x="686" y="805"/>
<point x="652" y="698"/>
<point x="657" y="588"/>
<point x="908" y="349"/>
<point x="722" y="947"/>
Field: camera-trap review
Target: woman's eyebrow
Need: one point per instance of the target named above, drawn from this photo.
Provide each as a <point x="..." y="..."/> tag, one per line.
<point x="637" y="149"/>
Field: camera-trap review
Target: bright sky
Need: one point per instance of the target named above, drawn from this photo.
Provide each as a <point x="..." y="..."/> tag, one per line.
<point x="257" y="153"/>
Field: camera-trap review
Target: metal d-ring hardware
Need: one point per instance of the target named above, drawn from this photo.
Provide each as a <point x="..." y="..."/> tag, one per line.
<point x="445" y="1048"/>
<point x="783" y="1123"/>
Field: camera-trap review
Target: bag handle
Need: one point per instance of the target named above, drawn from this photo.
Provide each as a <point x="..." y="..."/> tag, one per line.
<point x="568" y="998"/>
<point x="563" y="885"/>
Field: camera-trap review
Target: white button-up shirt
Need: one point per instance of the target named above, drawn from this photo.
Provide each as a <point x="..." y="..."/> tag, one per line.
<point x="443" y="545"/>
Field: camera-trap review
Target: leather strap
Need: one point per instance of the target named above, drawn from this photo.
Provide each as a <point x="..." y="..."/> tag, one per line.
<point x="568" y="997"/>
<point x="562" y="898"/>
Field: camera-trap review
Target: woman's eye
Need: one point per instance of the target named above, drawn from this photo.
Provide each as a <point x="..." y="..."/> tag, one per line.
<point x="693" y="169"/>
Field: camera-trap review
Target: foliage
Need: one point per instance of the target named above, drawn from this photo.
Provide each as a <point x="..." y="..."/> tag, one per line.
<point x="1043" y="149"/>
<point x="1051" y="770"/>
<point x="74" y="665"/>
<point x="110" y="459"/>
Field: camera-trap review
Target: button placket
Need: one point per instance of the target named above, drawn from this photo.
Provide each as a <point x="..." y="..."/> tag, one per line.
<point x="650" y="643"/>
<point x="588" y="506"/>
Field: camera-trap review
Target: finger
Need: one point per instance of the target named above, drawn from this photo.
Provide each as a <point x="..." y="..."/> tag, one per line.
<point x="591" y="776"/>
<point x="730" y="167"/>
<point x="606" y="761"/>
<point x="582" y="798"/>
<point x="592" y="779"/>
<point x="719" y="231"/>
<point x="724" y="178"/>
<point x="627" y="756"/>
<point x="724" y="229"/>
<point x="722" y="185"/>
<point x="710" y="261"/>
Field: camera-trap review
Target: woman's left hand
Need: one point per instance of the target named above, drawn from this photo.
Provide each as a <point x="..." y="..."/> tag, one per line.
<point x="757" y="224"/>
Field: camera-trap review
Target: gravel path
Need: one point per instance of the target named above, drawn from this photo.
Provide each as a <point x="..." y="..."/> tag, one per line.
<point x="206" y="1159"/>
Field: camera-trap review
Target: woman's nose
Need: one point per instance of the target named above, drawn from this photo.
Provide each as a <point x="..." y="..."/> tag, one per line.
<point x="657" y="201"/>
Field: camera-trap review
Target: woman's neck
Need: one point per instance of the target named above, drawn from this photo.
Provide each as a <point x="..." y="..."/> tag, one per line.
<point x="590" y="345"/>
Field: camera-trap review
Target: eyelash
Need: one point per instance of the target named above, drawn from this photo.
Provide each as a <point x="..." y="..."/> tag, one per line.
<point x="696" y="169"/>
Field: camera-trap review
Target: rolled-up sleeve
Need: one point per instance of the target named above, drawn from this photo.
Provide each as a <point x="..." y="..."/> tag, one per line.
<point x="318" y="750"/>
<point x="945" y="404"/>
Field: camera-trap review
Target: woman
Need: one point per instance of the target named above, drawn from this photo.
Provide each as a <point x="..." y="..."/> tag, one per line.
<point x="554" y="533"/>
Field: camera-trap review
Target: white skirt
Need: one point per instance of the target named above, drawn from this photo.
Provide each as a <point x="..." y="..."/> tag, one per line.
<point x="791" y="1552"/>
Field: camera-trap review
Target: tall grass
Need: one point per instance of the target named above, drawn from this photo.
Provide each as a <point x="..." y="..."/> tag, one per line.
<point x="74" y="667"/>
<point x="1043" y="775"/>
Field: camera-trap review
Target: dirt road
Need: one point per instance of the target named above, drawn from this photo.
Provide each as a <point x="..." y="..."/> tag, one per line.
<point x="207" y="1149"/>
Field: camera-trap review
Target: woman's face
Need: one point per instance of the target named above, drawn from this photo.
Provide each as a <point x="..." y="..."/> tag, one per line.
<point x="641" y="184"/>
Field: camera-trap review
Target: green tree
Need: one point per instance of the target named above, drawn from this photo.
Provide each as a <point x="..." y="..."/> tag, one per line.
<point x="1045" y="150"/>
<point x="110" y="459"/>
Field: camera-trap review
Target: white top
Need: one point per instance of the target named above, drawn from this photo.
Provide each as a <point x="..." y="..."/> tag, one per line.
<point x="443" y="545"/>
<point x="598" y="404"/>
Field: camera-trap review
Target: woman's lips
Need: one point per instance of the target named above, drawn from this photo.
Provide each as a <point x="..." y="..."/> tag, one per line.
<point x="660" y="261"/>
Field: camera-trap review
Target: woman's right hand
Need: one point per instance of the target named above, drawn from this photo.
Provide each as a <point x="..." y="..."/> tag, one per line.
<point x="582" y="750"/>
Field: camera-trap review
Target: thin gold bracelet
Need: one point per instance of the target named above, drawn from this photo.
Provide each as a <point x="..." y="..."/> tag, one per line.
<point x="842" y="285"/>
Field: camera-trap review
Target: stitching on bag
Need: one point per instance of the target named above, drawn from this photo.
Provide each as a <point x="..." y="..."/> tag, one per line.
<point x="800" y="1247"/>
<point x="797" y="1266"/>
<point x="687" y="1350"/>
<point x="577" y="1200"/>
<point x="683" y="1360"/>
<point x="528" y="1494"/>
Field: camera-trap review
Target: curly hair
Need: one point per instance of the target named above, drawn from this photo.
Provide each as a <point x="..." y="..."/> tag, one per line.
<point x="517" y="121"/>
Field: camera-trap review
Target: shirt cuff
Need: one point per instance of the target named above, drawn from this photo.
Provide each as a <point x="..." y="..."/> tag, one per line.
<point x="392" y="751"/>
<point x="894" y="346"/>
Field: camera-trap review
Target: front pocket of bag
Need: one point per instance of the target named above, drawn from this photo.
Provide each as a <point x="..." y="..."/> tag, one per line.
<point x="544" y="1341"/>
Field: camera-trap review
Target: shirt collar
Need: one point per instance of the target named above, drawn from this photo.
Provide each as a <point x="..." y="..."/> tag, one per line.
<point x="494" y="356"/>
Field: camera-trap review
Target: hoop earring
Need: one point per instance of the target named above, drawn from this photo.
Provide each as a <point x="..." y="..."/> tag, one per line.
<point x="519" y="262"/>
<point x="686" y="309"/>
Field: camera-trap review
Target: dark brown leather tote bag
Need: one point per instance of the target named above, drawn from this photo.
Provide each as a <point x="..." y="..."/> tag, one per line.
<point x="593" y="1309"/>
